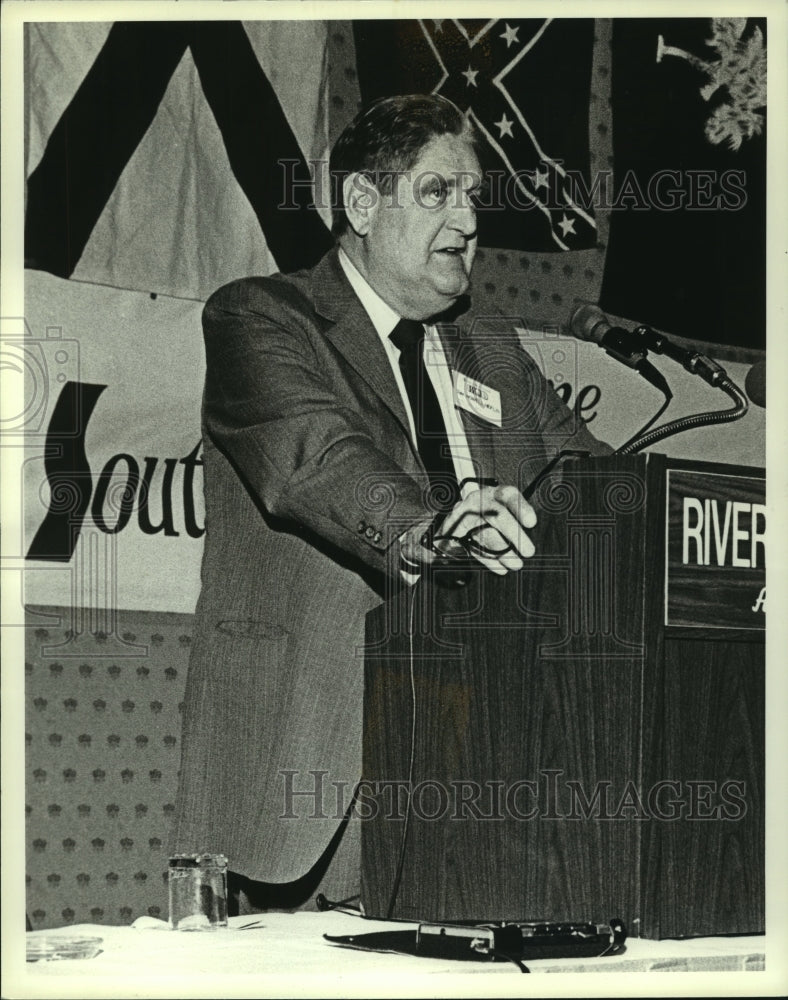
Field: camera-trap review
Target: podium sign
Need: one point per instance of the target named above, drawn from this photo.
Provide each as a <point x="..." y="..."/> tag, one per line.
<point x="716" y="550"/>
<point x="583" y="739"/>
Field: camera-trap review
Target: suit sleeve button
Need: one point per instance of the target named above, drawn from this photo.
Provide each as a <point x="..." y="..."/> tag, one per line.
<point x="361" y="526"/>
<point x="376" y="539"/>
<point x="370" y="532"/>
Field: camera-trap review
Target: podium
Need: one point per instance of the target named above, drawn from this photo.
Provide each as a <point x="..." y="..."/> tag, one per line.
<point x="583" y="739"/>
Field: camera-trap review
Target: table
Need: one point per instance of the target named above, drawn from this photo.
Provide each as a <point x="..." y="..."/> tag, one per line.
<point x="285" y="954"/>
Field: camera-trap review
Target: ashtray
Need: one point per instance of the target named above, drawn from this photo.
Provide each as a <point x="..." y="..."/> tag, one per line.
<point x="54" y="947"/>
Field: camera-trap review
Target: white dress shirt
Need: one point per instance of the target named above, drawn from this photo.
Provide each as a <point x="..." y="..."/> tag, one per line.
<point x="384" y="319"/>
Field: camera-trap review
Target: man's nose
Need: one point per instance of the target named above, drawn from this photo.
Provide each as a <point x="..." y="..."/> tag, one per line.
<point x="463" y="216"/>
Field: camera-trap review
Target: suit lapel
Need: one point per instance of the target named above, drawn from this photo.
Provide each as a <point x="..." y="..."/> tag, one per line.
<point x="352" y="333"/>
<point x="461" y="356"/>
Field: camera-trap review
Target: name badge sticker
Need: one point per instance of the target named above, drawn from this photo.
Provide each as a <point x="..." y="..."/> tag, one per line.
<point x="477" y="398"/>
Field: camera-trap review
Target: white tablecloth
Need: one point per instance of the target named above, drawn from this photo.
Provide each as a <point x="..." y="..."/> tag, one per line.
<point x="285" y="954"/>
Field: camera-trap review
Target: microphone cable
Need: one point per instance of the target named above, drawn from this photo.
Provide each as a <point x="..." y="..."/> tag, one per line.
<point x="649" y="423"/>
<point x="411" y="764"/>
<point x="492" y="952"/>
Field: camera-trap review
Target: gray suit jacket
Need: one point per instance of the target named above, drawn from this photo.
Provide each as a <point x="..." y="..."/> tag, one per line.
<point x="310" y="477"/>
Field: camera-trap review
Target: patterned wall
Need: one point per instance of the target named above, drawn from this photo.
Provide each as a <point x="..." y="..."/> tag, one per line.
<point x="102" y="754"/>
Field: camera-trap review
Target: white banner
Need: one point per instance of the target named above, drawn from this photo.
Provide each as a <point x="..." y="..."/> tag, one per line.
<point x="123" y="451"/>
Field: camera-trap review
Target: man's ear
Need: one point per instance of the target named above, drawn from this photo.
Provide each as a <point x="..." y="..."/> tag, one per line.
<point x="361" y="199"/>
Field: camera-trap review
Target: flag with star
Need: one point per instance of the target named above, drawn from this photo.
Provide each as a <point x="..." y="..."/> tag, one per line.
<point x="526" y="86"/>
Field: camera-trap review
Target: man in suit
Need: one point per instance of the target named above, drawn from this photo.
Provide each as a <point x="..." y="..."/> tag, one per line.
<point x="342" y="414"/>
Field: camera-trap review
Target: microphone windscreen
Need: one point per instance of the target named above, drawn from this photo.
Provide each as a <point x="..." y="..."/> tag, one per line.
<point x="755" y="384"/>
<point x="588" y="323"/>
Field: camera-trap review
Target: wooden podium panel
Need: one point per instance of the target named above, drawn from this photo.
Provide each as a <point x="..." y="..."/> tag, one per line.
<point x="706" y="876"/>
<point x="544" y="746"/>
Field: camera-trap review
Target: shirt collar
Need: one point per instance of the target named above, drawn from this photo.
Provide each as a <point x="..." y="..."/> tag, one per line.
<point x="383" y="317"/>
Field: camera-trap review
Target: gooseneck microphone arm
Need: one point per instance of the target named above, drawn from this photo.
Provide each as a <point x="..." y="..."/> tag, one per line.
<point x="736" y="412"/>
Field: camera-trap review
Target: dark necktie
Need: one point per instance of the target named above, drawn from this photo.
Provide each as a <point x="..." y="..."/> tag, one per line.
<point x="431" y="438"/>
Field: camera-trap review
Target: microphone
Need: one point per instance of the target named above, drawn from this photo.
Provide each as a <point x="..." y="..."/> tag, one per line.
<point x="755" y="384"/>
<point x="589" y="323"/>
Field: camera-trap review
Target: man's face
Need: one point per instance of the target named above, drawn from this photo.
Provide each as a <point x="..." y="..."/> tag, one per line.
<point x="421" y="241"/>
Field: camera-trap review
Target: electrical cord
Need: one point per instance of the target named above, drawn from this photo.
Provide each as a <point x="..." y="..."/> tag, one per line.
<point x="481" y="949"/>
<point x="406" y="824"/>
<point x="650" y="423"/>
<point x="342" y="905"/>
<point x="479" y="946"/>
